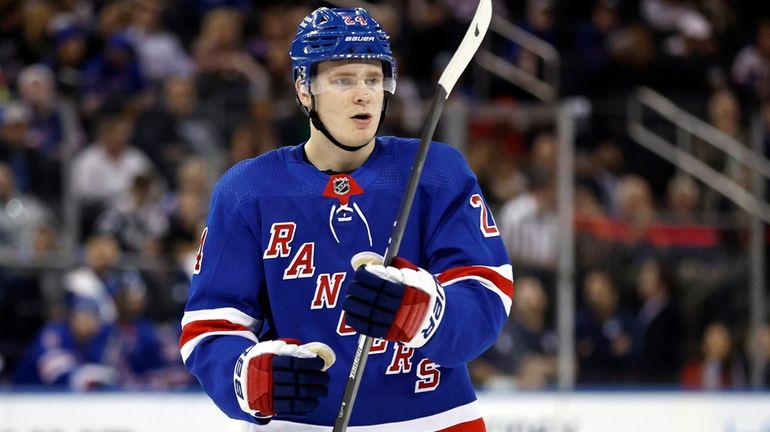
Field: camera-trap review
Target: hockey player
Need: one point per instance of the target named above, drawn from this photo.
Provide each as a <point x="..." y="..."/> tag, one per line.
<point x="275" y="297"/>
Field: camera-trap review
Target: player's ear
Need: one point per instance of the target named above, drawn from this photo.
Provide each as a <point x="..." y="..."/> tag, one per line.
<point x="302" y="93"/>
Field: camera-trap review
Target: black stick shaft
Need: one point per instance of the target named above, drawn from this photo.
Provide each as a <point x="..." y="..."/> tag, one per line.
<point x="437" y="106"/>
<point x="399" y="227"/>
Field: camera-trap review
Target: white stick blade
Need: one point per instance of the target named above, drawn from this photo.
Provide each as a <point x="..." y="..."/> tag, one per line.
<point x="470" y="43"/>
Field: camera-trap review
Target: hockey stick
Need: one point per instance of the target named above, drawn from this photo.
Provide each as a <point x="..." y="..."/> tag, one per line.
<point x="457" y="64"/>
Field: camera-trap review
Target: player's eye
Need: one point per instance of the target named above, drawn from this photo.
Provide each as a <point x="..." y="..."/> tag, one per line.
<point x="374" y="82"/>
<point x="342" y="82"/>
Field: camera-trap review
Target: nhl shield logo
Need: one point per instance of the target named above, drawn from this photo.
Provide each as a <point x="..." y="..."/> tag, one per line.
<point x="341" y="186"/>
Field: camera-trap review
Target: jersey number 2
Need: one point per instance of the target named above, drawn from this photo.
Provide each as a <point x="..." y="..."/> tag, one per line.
<point x="486" y="221"/>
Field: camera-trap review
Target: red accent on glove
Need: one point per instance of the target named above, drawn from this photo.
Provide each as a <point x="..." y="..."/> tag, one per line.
<point x="401" y="263"/>
<point x="260" y="385"/>
<point x="412" y="310"/>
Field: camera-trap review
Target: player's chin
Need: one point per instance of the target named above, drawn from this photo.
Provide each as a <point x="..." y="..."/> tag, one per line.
<point x="359" y="142"/>
<point x="362" y="136"/>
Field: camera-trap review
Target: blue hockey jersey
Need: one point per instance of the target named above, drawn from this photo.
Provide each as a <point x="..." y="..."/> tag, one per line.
<point x="126" y="356"/>
<point x="275" y="257"/>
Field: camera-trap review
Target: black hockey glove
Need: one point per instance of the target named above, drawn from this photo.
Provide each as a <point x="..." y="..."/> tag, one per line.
<point x="401" y="303"/>
<point x="282" y="377"/>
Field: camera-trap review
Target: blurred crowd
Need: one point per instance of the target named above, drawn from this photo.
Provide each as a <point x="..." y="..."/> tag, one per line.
<point x="117" y="117"/>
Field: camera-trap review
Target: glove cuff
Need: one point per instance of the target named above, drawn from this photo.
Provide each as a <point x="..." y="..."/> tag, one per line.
<point x="425" y="282"/>
<point x="243" y="377"/>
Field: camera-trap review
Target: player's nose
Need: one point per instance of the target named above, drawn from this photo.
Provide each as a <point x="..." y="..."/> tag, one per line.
<point x="362" y="95"/>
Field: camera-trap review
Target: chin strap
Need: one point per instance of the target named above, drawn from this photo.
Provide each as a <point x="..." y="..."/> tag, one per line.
<point x="312" y="114"/>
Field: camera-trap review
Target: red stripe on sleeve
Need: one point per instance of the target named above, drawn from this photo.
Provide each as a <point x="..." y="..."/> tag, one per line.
<point x="503" y="284"/>
<point x="197" y="328"/>
<point x="471" y="426"/>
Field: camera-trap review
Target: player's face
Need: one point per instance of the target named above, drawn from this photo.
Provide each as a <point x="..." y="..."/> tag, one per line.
<point x="349" y="97"/>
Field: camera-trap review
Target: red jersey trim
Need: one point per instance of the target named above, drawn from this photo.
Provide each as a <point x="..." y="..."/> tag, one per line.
<point x="471" y="426"/>
<point x="197" y="328"/>
<point x="502" y="283"/>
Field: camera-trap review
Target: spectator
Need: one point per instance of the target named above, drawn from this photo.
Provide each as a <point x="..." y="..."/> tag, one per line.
<point x="114" y="18"/>
<point x="606" y="336"/>
<point x="137" y="220"/>
<point x="34" y="172"/>
<point x="663" y="16"/>
<point x="176" y="128"/>
<point x="75" y="12"/>
<point x="84" y="353"/>
<point x="185" y="224"/>
<point x="36" y="16"/>
<point x="13" y="53"/>
<point x="423" y="20"/>
<point x="232" y="85"/>
<point x="591" y="41"/>
<point x="631" y="50"/>
<point x="161" y="55"/>
<point x="543" y="154"/>
<point x="114" y="78"/>
<point x="139" y="359"/>
<point x="694" y="36"/>
<point x="529" y="226"/>
<point x="661" y="326"/>
<point x="103" y="171"/>
<point x="269" y="47"/>
<point x="683" y="199"/>
<point x="276" y="31"/>
<point x="70" y="353"/>
<point x="186" y="209"/>
<point x="724" y="113"/>
<point x="493" y="153"/>
<point x="20" y="216"/>
<point x="186" y="220"/>
<point x="608" y="163"/>
<point x="524" y="355"/>
<point x="194" y="176"/>
<point x="540" y="21"/>
<point x="758" y="344"/>
<point x="53" y="133"/>
<point x="716" y="368"/>
<point x="99" y="276"/>
<point x="688" y="65"/>
<point x="37" y="89"/>
<point x="68" y="61"/>
<point x="505" y="177"/>
<point x="635" y="205"/>
<point x="751" y="66"/>
<point x="250" y="140"/>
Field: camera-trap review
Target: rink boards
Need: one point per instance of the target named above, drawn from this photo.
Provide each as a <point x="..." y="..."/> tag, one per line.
<point x="509" y="412"/>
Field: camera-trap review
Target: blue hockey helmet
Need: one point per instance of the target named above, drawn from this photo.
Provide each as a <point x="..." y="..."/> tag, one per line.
<point x="340" y="34"/>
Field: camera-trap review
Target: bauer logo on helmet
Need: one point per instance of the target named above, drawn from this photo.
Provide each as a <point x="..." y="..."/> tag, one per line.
<point x="359" y="39"/>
